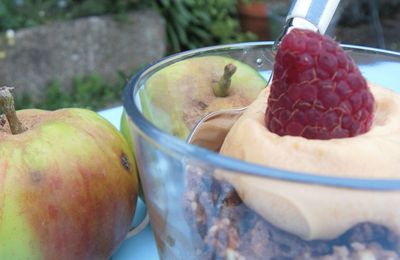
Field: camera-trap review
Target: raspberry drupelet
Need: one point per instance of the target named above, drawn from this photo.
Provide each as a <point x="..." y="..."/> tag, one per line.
<point x="317" y="91"/>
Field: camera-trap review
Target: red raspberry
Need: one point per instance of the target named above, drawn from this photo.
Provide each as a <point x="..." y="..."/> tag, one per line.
<point x="317" y="91"/>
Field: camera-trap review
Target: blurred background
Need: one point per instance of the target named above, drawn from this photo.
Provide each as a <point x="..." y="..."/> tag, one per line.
<point x="63" y="53"/>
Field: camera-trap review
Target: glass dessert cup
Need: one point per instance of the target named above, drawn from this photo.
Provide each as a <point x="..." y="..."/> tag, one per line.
<point x="197" y="214"/>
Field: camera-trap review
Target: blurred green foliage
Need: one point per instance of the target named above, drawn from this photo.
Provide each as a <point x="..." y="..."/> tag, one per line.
<point x="189" y="24"/>
<point x="196" y="23"/>
<point x="91" y="92"/>
<point x="16" y="14"/>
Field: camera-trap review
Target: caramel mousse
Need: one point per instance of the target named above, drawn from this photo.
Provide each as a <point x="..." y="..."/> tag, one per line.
<point x="313" y="211"/>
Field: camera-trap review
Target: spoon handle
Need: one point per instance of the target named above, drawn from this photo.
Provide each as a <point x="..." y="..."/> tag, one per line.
<point x="317" y="12"/>
<point x="309" y="14"/>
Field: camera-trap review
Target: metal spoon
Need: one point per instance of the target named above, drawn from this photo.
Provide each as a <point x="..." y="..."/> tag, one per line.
<point x="210" y="131"/>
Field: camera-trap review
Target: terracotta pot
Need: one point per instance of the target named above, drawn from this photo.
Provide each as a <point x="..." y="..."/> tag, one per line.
<point x="254" y="18"/>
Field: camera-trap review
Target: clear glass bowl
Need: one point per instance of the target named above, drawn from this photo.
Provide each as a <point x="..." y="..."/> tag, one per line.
<point x="195" y="215"/>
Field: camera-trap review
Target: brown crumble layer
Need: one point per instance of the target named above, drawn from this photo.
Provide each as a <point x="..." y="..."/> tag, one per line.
<point x="224" y="228"/>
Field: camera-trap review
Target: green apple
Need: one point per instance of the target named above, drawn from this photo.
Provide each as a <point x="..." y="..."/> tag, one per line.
<point x="177" y="96"/>
<point x="68" y="184"/>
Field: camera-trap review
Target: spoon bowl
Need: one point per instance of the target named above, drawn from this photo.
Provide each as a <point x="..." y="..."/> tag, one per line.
<point x="210" y="131"/>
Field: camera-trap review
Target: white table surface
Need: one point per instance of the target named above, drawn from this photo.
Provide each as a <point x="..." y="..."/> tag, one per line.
<point x="141" y="246"/>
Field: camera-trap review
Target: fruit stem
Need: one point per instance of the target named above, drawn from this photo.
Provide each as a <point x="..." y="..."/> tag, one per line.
<point x="221" y="88"/>
<point x="7" y="105"/>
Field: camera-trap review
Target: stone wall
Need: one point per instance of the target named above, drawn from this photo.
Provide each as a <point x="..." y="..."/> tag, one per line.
<point x="63" y="50"/>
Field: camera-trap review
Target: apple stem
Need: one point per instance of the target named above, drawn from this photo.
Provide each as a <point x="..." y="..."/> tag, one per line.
<point x="7" y="105"/>
<point x="221" y="88"/>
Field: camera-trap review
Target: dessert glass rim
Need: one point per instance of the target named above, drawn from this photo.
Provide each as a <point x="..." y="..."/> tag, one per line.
<point x="178" y="147"/>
